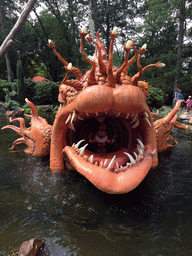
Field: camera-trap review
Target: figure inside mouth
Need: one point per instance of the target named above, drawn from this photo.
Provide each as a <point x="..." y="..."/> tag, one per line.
<point x="100" y="140"/>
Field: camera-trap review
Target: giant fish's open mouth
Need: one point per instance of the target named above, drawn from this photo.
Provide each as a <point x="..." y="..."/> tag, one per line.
<point x="108" y="141"/>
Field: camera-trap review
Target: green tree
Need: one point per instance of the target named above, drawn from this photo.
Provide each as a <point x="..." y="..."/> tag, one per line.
<point x="164" y="43"/>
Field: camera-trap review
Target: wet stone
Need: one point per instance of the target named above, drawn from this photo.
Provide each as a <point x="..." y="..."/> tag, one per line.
<point x="32" y="247"/>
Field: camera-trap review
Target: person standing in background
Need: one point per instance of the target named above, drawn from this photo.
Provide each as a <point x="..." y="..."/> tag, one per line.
<point x="179" y="96"/>
<point x="189" y="103"/>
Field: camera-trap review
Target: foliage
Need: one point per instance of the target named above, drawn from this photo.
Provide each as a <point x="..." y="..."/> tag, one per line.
<point x="38" y="92"/>
<point x="60" y="20"/>
<point x="10" y="103"/>
<point x="156" y="97"/>
<point x="47" y="92"/>
<point x="27" y="110"/>
<point x="4" y="85"/>
<point x="30" y="89"/>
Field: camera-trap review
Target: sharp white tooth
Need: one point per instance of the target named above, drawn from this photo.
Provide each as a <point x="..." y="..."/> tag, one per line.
<point x="87" y="114"/>
<point x="153" y="152"/>
<point x="73" y="116"/>
<point x="101" y="164"/>
<point x="135" y="118"/>
<point x="117" y="165"/>
<point x="140" y="151"/>
<point x="82" y="150"/>
<point x="136" y="124"/>
<point x="85" y="157"/>
<point x="96" y="163"/>
<point x="147" y="115"/>
<point x="127" y="115"/>
<point x="130" y="157"/>
<point x="111" y="163"/>
<point x="141" y="144"/>
<point x="91" y="159"/>
<point x="105" y="163"/>
<point x="68" y="119"/>
<point x="146" y="119"/>
<point x="96" y="114"/>
<point x="71" y="126"/>
<point x="77" y="145"/>
<point x="118" y="114"/>
<point x="128" y="164"/>
<point x="73" y="146"/>
<point x="79" y="118"/>
<point x="135" y="155"/>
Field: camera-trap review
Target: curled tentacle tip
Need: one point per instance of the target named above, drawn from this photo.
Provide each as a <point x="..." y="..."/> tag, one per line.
<point x="128" y="44"/>
<point x="160" y="65"/>
<point x="114" y="31"/>
<point x="84" y="30"/>
<point x="51" y="44"/>
<point x="89" y="38"/>
<point x="69" y="66"/>
<point x="144" y="46"/>
<point x="49" y="41"/>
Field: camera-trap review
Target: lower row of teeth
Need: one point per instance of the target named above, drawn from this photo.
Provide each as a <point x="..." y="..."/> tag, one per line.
<point x="104" y="164"/>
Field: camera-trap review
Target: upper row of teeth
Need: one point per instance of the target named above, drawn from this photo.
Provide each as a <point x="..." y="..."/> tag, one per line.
<point x="104" y="164"/>
<point x="134" y="122"/>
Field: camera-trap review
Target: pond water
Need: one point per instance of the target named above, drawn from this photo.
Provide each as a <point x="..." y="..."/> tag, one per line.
<point x="75" y="218"/>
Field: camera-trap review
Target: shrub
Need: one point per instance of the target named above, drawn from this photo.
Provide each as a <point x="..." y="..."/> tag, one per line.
<point x="156" y="97"/>
<point x="6" y="85"/>
<point x="30" y="89"/>
<point x="10" y="103"/>
<point x="47" y="92"/>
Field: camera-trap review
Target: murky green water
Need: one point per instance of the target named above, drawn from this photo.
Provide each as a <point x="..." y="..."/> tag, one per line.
<point x="75" y="218"/>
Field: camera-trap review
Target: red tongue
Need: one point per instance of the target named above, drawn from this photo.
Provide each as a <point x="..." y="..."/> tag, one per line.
<point x="121" y="158"/>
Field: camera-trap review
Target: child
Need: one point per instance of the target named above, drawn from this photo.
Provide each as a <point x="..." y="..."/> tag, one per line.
<point x="189" y="103"/>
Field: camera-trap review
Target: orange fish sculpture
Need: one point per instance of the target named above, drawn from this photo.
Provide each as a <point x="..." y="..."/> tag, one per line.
<point x="104" y="128"/>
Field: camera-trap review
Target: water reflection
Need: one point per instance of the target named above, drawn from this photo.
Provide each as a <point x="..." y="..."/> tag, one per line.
<point x="77" y="219"/>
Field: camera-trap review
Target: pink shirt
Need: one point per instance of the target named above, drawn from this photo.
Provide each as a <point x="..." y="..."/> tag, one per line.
<point x="189" y="102"/>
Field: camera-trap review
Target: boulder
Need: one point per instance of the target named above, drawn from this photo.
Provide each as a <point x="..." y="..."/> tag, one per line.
<point x="14" y="113"/>
<point x="32" y="247"/>
<point x="184" y="116"/>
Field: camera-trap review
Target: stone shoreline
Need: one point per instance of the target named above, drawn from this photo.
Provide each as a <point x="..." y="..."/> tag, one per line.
<point x="187" y="117"/>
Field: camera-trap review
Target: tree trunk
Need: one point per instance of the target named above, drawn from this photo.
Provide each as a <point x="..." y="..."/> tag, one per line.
<point x="9" y="70"/>
<point x="8" y="42"/>
<point x="180" y="44"/>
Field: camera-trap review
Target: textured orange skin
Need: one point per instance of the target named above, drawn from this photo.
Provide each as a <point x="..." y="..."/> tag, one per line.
<point x="37" y="137"/>
<point x="164" y="126"/>
<point x="103" y="88"/>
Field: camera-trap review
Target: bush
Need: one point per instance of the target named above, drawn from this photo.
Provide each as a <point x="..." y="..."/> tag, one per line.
<point x="156" y="97"/>
<point x="47" y="92"/>
<point x="10" y="103"/>
<point x="30" y="89"/>
<point x="6" y="85"/>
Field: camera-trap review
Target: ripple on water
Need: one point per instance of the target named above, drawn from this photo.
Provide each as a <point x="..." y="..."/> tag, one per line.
<point x="76" y="219"/>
